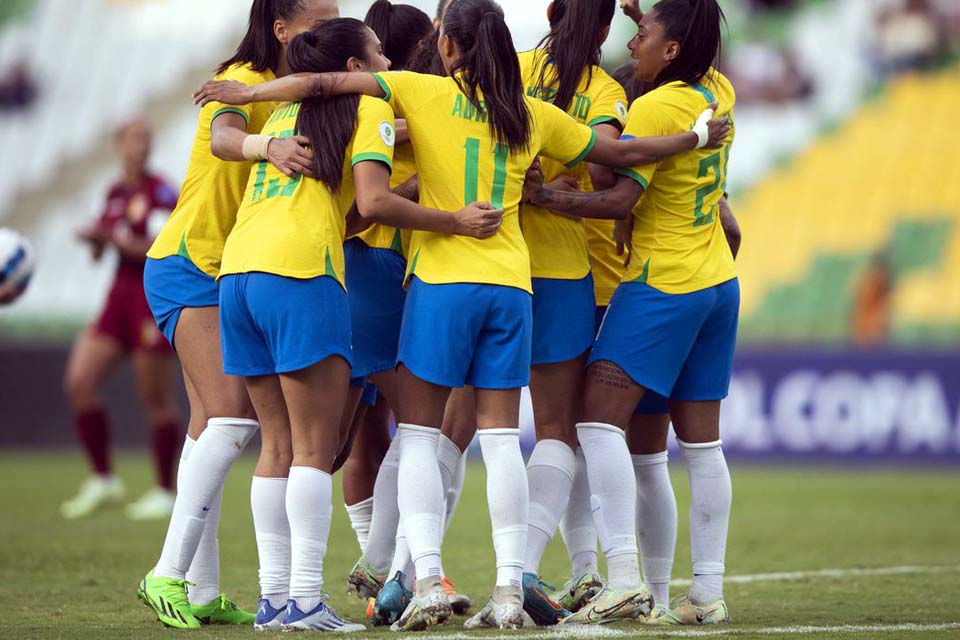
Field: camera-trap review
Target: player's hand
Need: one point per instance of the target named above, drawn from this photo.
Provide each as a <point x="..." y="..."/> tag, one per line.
<point x="631" y="9"/>
<point x="225" y="91"/>
<point x="290" y="157"/>
<point x="623" y="235"/>
<point x="478" y="220"/>
<point x="533" y="183"/>
<point x="563" y="183"/>
<point x="715" y="130"/>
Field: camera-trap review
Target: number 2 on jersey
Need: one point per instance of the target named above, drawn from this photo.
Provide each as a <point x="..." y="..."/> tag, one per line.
<point x="716" y="163"/>
<point x="471" y="175"/>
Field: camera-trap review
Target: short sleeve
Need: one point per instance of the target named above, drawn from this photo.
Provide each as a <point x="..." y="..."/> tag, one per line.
<point x="406" y="91"/>
<point x="375" y="136"/>
<point x="609" y="105"/>
<point x="564" y="139"/>
<point x="241" y="74"/>
<point x="647" y="118"/>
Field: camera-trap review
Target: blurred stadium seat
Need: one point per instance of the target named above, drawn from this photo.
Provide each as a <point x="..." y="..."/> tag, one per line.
<point x="885" y="181"/>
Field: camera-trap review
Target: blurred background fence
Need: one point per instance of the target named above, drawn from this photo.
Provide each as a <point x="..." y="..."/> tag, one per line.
<point x="845" y="178"/>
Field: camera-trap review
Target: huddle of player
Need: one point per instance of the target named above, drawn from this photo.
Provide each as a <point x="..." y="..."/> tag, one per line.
<point x="474" y="198"/>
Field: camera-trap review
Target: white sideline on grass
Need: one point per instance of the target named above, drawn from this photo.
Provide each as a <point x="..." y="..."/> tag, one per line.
<point x="829" y="573"/>
<point x="601" y="632"/>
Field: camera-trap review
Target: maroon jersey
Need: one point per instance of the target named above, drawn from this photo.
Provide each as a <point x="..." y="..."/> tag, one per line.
<point x="128" y="210"/>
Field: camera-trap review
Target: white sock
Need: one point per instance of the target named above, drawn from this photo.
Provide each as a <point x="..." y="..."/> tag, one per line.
<point x="386" y="514"/>
<point x="309" y="507"/>
<point x="448" y="457"/>
<point x="710" y="497"/>
<point x="268" y="501"/>
<point x="204" y="572"/>
<point x="656" y="522"/>
<point x="453" y="493"/>
<point x="403" y="561"/>
<point x="550" y="472"/>
<point x="576" y="527"/>
<point x="614" y="500"/>
<point x="420" y="496"/>
<point x="360" y="515"/>
<point x="508" y="501"/>
<point x="200" y="482"/>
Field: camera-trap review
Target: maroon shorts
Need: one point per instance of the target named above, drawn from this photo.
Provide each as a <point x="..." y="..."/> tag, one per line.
<point x="127" y="318"/>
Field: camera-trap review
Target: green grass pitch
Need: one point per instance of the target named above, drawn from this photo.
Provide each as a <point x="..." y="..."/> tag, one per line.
<point x="63" y="579"/>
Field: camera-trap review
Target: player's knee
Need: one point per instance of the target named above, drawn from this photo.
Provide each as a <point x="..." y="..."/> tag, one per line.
<point x="80" y="389"/>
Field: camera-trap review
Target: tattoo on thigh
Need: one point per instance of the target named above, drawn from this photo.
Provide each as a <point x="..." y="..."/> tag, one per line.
<point x="608" y="374"/>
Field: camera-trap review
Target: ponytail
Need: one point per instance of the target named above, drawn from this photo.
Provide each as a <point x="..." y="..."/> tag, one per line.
<point x="328" y="122"/>
<point x="488" y="65"/>
<point x="573" y="45"/>
<point x="400" y="28"/>
<point x="260" y="47"/>
<point x="696" y="25"/>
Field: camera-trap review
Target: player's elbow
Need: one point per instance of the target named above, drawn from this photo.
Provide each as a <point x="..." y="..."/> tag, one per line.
<point x="372" y="205"/>
<point x="219" y="147"/>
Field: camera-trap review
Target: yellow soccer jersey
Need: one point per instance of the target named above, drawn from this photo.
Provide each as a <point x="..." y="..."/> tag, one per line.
<point x="459" y="162"/>
<point x="678" y="242"/>
<point x="558" y="245"/>
<point x="212" y="189"/>
<point x="380" y="236"/>
<point x="294" y="227"/>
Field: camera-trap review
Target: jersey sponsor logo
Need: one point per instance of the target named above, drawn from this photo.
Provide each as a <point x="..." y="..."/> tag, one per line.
<point x="387" y="133"/>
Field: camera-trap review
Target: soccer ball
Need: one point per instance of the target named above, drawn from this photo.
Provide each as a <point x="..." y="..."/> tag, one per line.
<point x="16" y="265"/>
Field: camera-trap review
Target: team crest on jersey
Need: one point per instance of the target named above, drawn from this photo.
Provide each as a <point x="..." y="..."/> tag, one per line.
<point x="137" y="209"/>
<point x="387" y="133"/>
<point x="621" y="110"/>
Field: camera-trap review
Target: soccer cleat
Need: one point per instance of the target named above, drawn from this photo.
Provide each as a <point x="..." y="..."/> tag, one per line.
<point x="576" y="593"/>
<point x="221" y="610"/>
<point x="364" y="580"/>
<point x="168" y="599"/>
<point x="458" y="602"/>
<point x="268" y="618"/>
<point x="370" y="603"/>
<point x="503" y="611"/>
<point x="683" y="611"/>
<point x="391" y="602"/>
<point x="429" y="607"/>
<point x="96" y="492"/>
<point x="321" y="618"/>
<point x="611" y="605"/>
<point x="541" y="608"/>
<point x="156" y="504"/>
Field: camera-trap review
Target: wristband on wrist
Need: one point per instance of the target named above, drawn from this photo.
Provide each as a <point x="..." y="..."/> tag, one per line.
<point x="255" y="147"/>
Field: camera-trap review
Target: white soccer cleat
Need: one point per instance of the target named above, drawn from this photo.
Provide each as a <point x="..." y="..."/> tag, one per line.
<point x="503" y="611"/>
<point x="611" y="605"/>
<point x="156" y="504"/>
<point x="321" y="618"/>
<point x="429" y="607"/>
<point x="96" y="492"/>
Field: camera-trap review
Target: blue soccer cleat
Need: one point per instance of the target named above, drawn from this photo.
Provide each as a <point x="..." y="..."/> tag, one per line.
<point x="321" y="618"/>
<point x="268" y="618"/>
<point x="538" y="605"/>
<point x="391" y="602"/>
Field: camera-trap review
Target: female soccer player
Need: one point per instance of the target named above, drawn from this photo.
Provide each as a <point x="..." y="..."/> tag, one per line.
<point x="563" y="70"/>
<point x="376" y="265"/>
<point x="467" y="319"/>
<point x="284" y="315"/>
<point x="671" y="325"/>
<point x="180" y="284"/>
<point x="136" y="207"/>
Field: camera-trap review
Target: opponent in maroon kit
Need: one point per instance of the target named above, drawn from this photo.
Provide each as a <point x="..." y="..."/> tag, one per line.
<point x="136" y="207"/>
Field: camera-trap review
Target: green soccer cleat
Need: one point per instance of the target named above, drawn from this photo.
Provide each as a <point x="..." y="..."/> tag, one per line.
<point x="222" y="610"/>
<point x="576" y="593"/>
<point x="683" y="611"/>
<point x="364" y="581"/>
<point x="612" y="605"/>
<point x="168" y="599"/>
